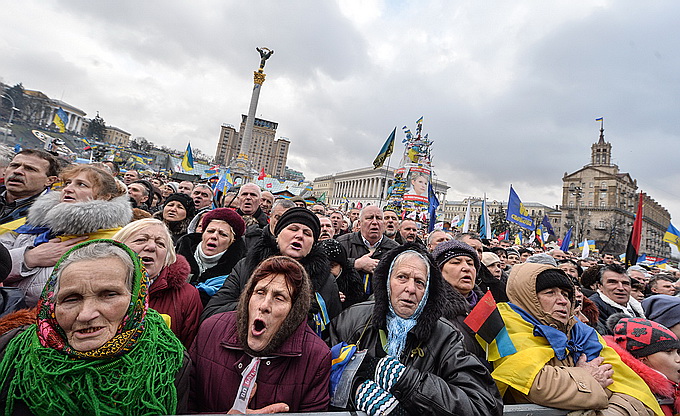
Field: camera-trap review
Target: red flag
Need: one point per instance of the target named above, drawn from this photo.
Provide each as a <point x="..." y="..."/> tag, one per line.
<point x="633" y="248"/>
<point x="261" y="175"/>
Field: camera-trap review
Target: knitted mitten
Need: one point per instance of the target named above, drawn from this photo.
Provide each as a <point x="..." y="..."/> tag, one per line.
<point x="388" y="371"/>
<point x="373" y="400"/>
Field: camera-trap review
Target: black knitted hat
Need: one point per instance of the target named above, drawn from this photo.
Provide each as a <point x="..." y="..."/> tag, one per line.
<point x="449" y="249"/>
<point x="642" y="337"/>
<point x="555" y="278"/>
<point x="186" y="202"/>
<point x="299" y="215"/>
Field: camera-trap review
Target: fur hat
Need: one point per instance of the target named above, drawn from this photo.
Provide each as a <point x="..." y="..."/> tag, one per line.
<point x="554" y="278"/>
<point x="299" y="215"/>
<point x="449" y="249"/>
<point x="186" y="202"/>
<point x="642" y="337"/>
<point x="227" y="215"/>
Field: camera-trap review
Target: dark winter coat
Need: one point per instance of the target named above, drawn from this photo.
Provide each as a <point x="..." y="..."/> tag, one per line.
<point x="172" y="295"/>
<point x="315" y="263"/>
<point x="486" y="281"/>
<point x="606" y="310"/>
<point x="456" y="309"/>
<point x="441" y="377"/>
<point x="297" y="374"/>
<point x="354" y="245"/>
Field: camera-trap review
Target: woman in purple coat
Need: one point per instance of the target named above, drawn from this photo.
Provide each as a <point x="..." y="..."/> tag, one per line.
<point x="263" y="356"/>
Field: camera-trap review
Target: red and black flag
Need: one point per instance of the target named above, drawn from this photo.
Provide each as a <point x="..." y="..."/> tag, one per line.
<point x="633" y="248"/>
<point x="486" y="321"/>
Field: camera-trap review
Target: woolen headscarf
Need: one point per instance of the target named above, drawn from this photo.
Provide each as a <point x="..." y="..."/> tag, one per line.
<point x="449" y="249"/>
<point x="186" y="202"/>
<point x="133" y="373"/>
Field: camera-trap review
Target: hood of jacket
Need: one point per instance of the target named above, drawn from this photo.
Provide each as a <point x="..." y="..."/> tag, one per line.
<point x="435" y="301"/>
<point x="315" y="263"/>
<point x="521" y="290"/>
<point x="79" y="217"/>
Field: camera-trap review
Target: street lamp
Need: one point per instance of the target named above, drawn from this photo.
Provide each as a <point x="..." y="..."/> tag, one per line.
<point x="11" y="114"/>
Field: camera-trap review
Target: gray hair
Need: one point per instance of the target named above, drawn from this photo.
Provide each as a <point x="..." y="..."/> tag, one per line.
<point x="97" y="251"/>
<point x="284" y="203"/>
<point x="131" y="230"/>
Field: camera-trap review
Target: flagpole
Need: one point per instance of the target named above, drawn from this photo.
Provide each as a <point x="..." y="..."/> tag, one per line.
<point x="382" y="190"/>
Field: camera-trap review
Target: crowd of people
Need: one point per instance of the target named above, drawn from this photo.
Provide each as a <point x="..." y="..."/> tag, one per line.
<point x="125" y="294"/>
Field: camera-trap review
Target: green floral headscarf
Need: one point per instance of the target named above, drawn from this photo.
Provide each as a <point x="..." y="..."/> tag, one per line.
<point x="133" y="373"/>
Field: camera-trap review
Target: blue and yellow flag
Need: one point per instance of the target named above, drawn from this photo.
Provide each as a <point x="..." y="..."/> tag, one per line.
<point x="517" y="213"/>
<point x="386" y="150"/>
<point x="672" y="236"/>
<point x="591" y="245"/>
<point x="433" y="204"/>
<point x="61" y="119"/>
<point x="188" y="159"/>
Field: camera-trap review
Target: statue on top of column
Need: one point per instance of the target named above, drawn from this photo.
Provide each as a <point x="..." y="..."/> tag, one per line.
<point x="265" y="53"/>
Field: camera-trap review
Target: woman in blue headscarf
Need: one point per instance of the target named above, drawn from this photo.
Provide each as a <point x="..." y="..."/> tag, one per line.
<point x="413" y="360"/>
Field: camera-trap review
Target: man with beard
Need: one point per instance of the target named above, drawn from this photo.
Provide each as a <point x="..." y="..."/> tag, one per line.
<point x="368" y="245"/>
<point x="391" y="223"/>
<point x="327" y="230"/>
<point x="28" y="175"/>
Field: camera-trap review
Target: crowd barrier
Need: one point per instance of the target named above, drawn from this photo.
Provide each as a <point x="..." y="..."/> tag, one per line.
<point x="509" y="410"/>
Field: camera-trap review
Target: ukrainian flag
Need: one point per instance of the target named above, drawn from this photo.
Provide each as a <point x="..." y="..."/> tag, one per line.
<point x="591" y="245"/>
<point x="672" y="236"/>
<point x="60" y="119"/>
<point x="188" y="159"/>
<point x="386" y="150"/>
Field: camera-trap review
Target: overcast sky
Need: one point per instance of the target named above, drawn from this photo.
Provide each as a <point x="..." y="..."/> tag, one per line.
<point x="509" y="90"/>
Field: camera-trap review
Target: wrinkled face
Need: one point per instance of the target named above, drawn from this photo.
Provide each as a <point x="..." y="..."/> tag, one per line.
<point x="318" y="209"/>
<point x="217" y="237"/>
<point x="476" y="244"/>
<point x="78" y="189"/>
<point x="665" y="362"/>
<point x="249" y="198"/>
<point x="151" y="244"/>
<point x="407" y="286"/>
<point x="391" y="223"/>
<point x="371" y="224"/>
<point x="267" y="309"/>
<point x="174" y="211"/>
<point x="202" y="197"/>
<point x="185" y="187"/>
<point x="460" y="272"/>
<point x="91" y="302"/>
<point x="569" y="269"/>
<point x="555" y="302"/>
<point x="266" y="202"/>
<point x="408" y="230"/>
<point x="663" y="287"/>
<point x="558" y="254"/>
<point x="616" y="287"/>
<point x="138" y="192"/>
<point x="26" y="175"/>
<point x="495" y="269"/>
<point x="419" y="185"/>
<point x="327" y="230"/>
<point x="296" y="240"/>
<point x="130" y="176"/>
<point x="437" y="238"/>
<point x="167" y="191"/>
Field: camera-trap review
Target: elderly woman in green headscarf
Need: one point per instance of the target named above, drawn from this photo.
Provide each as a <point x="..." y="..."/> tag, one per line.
<point x="96" y="348"/>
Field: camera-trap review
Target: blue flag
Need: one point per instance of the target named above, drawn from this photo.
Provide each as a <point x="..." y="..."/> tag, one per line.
<point x="547" y="225"/>
<point x="567" y="239"/>
<point x="432" y="208"/>
<point x="484" y="223"/>
<point x="517" y="213"/>
<point x="386" y="150"/>
<point x="188" y="159"/>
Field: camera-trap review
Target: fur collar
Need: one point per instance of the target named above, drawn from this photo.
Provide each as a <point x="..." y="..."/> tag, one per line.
<point x="435" y="301"/>
<point x="174" y="275"/>
<point x="79" y="217"/>
<point x="455" y="304"/>
<point x="658" y="383"/>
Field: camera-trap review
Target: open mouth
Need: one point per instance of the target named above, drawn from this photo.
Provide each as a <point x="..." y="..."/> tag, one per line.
<point x="211" y="246"/>
<point x="147" y="260"/>
<point x="67" y="198"/>
<point x="89" y="331"/>
<point x="296" y="245"/>
<point x="407" y="302"/>
<point x="258" y="327"/>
